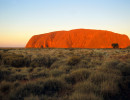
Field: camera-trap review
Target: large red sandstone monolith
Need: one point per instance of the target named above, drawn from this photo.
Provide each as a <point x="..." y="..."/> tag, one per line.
<point x="78" y="38"/>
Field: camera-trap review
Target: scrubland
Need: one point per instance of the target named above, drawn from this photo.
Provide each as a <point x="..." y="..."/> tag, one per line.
<point x="64" y="74"/>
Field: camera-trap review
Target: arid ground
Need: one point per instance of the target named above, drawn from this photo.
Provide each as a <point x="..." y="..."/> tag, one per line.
<point x="64" y="74"/>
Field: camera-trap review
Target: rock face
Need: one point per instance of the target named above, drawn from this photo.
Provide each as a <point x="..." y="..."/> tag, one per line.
<point x="78" y="38"/>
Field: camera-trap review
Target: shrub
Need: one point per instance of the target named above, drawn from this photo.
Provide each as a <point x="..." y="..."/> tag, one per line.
<point x="15" y="77"/>
<point x="125" y="68"/>
<point x="89" y="96"/>
<point x="113" y="64"/>
<point x="85" y="63"/>
<point x="5" y="87"/>
<point x="98" y="77"/>
<point x="77" y="75"/>
<point x="118" y="65"/>
<point x="40" y="74"/>
<point x="4" y="74"/>
<point x="56" y="72"/>
<point x="54" y="86"/>
<point x="86" y="87"/>
<point x="1" y="96"/>
<point x="48" y="87"/>
<point x="32" y="97"/>
<point x="57" y="64"/>
<point x="65" y="68"/>
<point x="14" y="60"/>
<point x="104" y="69"/>
<point x="25" y="90"/>
<point x="45" y="60"/>
<point x="73" y="60"/>
<point x="115" y="45"/>
<point x="109" y="88"/>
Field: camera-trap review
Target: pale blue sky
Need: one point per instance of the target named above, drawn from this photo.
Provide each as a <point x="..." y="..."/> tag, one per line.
<point x="20" y="19"/>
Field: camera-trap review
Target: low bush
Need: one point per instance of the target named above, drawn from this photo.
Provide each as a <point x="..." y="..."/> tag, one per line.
<point x="125" y="69"/>
<point x="32" y="97"/>
<point x="77" y="76"/>
<point x="65" y="68"/>
<point x="40" y="74"/>
<point x="86" y="87"/>
<point x="25" y="90"/>
<point x="73" y="60"/>
<point x="54" y="86"/>
<point x="56" y="72"/>
<point x="89" y="96"/>
<point x="109" y="88"/>
<point x="4" y="73"/>
<point x="1" y="96"/>
<point x="14" y="60"/>
<point x="44" y="61"/>
<point x="49" y="87"/>
<point x="5" y="87"/>
<point x="112" y="64"/>
<point x="98" y="77"/>
<point x="17" y="76"/>
<point x="85" y="63"/>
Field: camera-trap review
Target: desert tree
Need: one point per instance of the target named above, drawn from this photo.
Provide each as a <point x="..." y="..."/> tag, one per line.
<point x="115" y="45"/>
<point x="41" y="46"/>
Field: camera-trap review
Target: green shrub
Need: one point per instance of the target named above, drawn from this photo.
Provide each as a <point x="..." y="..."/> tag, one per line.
<point x="16" y="84"/>
<point x="47" y="87"/>
<point x="108" y="70"/>
<point x="125" y="68"/>
<point x="14" y="60"/>
<point x="65" y="68"/>
<point x="5" y="87"/>
<point x="32" y="97"/>
<point x="77" y="75"/>
<point x="86" y="87"/>
<point x="45" y="97"/>
<point x="89" y="96"/>
<point x="109" y="88"/>
<point x="1" y="96"/>
<point x="40" y="74"/>
<point x="113" y="64"/>
<point x="57" y="64"/>
<point x="98" y="77"/>
<point x="15" y="77"/>
<point x="4" y="73"/>
<point x="85" y="63"/>
<point x="25" y="91"/>
<point x="45" y="61"/>
<point x="54" y="86"/>
<point x="115" y="45"/>
<point x="73" y="60"/>
<point x="56" y="72"/>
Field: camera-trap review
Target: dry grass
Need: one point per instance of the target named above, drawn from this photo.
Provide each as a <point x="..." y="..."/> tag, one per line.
<point x="64" y="74"/>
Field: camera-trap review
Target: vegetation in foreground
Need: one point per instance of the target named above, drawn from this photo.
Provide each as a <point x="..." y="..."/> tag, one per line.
<point x="64" y="74"/>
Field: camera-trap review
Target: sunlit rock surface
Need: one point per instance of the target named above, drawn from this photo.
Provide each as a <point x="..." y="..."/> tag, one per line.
<point x="78" y="38"/>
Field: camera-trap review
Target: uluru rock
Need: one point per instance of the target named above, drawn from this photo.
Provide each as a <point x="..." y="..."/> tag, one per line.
<point x="78" y="38"/>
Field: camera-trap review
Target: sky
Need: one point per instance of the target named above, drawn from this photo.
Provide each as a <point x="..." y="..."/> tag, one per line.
<point x="21" y="19"/>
